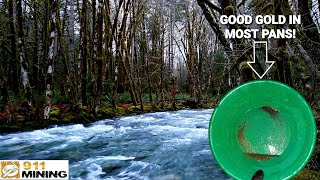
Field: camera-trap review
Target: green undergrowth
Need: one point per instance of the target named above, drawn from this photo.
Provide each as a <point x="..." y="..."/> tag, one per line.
<point x="62" y="113"/>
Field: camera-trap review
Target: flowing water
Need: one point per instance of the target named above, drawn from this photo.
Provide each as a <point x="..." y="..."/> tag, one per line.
<point x="161" y="146"/>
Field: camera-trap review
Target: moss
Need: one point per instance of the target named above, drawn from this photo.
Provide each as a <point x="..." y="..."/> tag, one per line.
<point x="14" y="128"/>
<point x="306" y="174"/>
<point x="54" y="119"/>
<point x="29" y="126"/>
<point x="19" y="117"/>
<point x="119" y="111"/>
<point x="286" y="9"/>
<point x="156" y="108"/>
<point x="31" y="123"/>
<point x="168" y="107"/>
<point x="148" y="108"/>
<point x="229" y="10"/>
<point x="179" y="106"/>
<point x="283" y="54"/>
<point x="208" y="105"/>
<point x="68" y="119"/>
<point x="103" y="112"/>
<point x="134" y="109"/>
<point x="244" y="65"/>
<point x="85" y="120"/>
<point x="301" y="68"/>
<point x="55" y="111"/>
<point x="84" y="114"/>
<point x="110" y="112"/>
<point x="83" y="108"/>
<point x="100" y="116"/>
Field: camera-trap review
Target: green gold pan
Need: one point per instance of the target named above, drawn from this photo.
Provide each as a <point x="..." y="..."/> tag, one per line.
<point x="262" y="125"/>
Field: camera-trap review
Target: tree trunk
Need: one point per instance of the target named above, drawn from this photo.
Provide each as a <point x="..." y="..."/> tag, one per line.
<point x="69" y="85"/>
<point x="14" y="64"/>
<point x="145" y="62"/>
<point x="83" y="57"/>
<point x="149" y="82"/>
<point x="22" y="55"/>
<point x="309" y="27"/>
<point x="312" y="66"/>
<point x="93" y="60"/>
<point x="37" y="49"/>
<point x="99" y="58"/>
<point x="4" y="91"/>
<point x="49" y="79"/>
<point x="71" y="24"/>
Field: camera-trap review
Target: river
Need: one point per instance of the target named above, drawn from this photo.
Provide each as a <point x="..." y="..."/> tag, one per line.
<point x="160" y="146"/>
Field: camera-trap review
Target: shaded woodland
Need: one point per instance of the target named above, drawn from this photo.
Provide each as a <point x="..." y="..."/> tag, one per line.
<point x="104" y="53"/>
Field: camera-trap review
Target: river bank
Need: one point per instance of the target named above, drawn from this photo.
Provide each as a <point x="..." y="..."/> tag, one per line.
<point x="24" y="119"/>
<point x="64" y="114"/>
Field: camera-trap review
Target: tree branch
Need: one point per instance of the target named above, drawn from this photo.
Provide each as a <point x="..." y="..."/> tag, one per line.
<point x="306" y="57"/>
<point x="241" y="3"/>
<point x="212" y="6"/>
<point x="214" y="24"/>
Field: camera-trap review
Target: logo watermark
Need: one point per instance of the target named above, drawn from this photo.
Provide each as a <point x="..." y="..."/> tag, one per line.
<point x="34" y="169"/>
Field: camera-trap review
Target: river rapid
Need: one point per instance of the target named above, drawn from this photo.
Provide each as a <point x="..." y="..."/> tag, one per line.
<point x="160" y="146"/>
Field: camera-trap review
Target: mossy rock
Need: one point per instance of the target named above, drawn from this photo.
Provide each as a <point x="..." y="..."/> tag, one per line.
<point x="84" y="117"/>
<point x="208" y="105"/>
<point x="34" y="125"/>
<point x="159" y="108"/>
<point x="68" y="119"/>
<point x="168" y="107"/>
<point x="85" y="120"/>
<point x="179" y="106"/>
<point x="155" y="108"/>
<point x="54" y="119"/>
<point x="55" y="111"/>
<point x="307" y="174"/>
<point x="13" y="128"/>
<point x="83" y="108"/>
<point x="148" y="108"/>
<point x="119" y="111"/>
<point x="105" y="113"/>
<point x="83" y="114"/>
<point x="19" y="117"/>
<point x="100" y="116"/>
<point x="31" y="123"/>
<point x="110" y="112"/>
<point x="134" y="109"/>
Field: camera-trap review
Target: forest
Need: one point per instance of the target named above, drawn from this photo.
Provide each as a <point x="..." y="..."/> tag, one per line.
<point x="76" y="61"/>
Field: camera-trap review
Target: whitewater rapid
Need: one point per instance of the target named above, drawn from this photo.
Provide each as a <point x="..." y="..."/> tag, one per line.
<point x="160" y="146"/>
